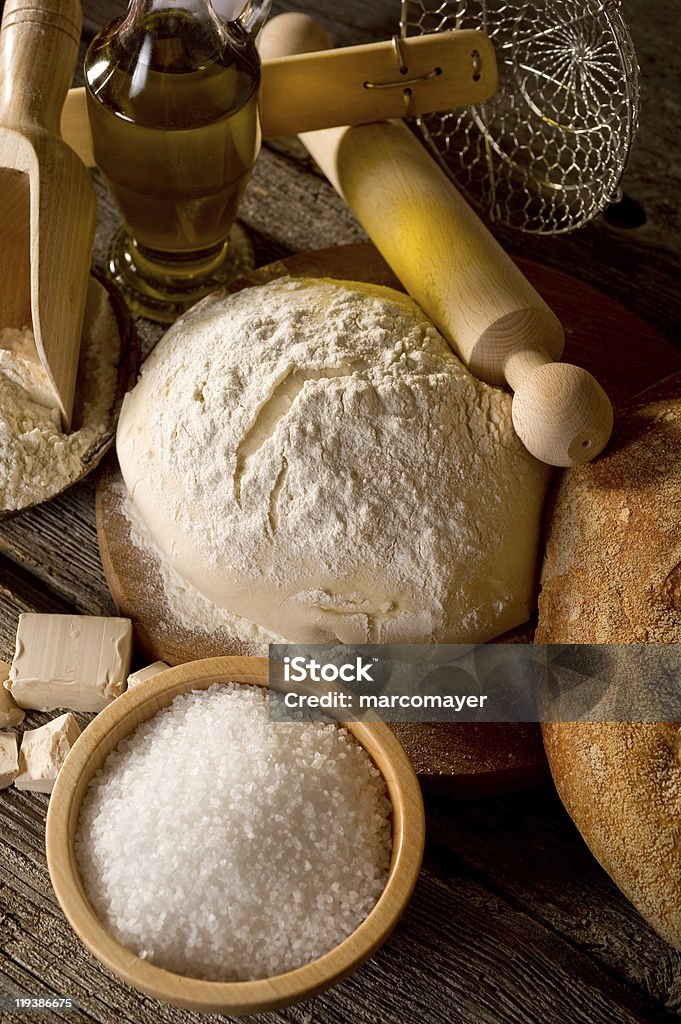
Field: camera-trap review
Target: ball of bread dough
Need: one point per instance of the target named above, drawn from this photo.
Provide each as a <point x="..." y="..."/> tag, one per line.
<point x="313" y="457"/>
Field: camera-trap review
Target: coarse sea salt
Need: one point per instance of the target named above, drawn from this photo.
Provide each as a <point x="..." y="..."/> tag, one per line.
<point x="221" y="845"/>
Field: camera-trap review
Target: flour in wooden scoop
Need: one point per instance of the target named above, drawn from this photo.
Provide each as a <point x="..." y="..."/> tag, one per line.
<point x="38" y="460"/>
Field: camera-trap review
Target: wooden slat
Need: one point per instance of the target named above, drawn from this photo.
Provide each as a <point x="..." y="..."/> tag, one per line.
<point x="65" y="561"/>
<point x="469" y="948"/>
<point x="548" y="871"/>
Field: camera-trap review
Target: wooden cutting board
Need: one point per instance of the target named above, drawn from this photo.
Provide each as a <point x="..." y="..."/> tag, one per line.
<point x="623" y="352"/>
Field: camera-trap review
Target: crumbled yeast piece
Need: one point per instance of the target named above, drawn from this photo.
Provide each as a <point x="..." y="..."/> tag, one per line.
<point x="142" y="674"/>
<point x="9" y="758"/>
<point x="10" y="712"/>
<point x="43" y="752"/>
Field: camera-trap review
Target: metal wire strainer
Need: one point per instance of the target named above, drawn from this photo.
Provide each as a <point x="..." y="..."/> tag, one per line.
<point x="546" y="154"/>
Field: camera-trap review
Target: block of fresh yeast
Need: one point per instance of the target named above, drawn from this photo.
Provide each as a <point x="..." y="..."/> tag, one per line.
<point x="43" y="752"/>
<point x="10" y="712"/>
<point x="79" y="662"/>
<point x="9" y="758"/>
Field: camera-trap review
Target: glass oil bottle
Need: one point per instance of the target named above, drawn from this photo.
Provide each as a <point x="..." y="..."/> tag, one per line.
<point x="172" y="100"/>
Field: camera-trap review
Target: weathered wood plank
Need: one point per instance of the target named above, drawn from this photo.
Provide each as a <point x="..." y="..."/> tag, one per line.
<point x="504" y="842"/>
<point x="19" y="592"/>
<point x="543" y="866"/>
<point x="64" y="558"/>
<point x="445" y="920"/>
<point x="470" y="950"/>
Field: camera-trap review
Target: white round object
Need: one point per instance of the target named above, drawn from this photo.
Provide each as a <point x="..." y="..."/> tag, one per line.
<point x="311" y="455"/>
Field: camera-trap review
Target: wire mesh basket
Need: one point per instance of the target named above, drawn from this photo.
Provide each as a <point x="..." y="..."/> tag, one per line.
<point x="547" y="152"/>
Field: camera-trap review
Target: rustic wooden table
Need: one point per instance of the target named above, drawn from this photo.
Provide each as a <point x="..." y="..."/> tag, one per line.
<point x="512" y="921"/>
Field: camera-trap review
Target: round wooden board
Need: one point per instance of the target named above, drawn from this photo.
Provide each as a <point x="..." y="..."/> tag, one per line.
<point x="623" y="352"/>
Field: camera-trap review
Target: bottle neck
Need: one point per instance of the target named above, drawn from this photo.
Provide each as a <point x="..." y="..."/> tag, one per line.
<point x="253" y="16"/>
<point x="142" y="11"/>
<point x="170" y="35"/>
<point x="202" y="10"/>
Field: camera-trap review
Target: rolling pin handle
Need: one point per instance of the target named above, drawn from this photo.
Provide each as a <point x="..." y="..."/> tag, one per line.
<point x="521" y="363"/>
<point x="292" y="33"/>
<point x="561" y="413"/>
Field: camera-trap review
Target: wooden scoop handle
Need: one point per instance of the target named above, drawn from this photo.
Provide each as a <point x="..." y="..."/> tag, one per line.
<point x="362" y="84"/>
<point x="451" y="264"/>
<point x="38" y="52"/>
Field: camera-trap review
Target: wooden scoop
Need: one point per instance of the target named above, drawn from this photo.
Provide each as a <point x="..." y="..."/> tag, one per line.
<point x="458" y="273"/>
<point x="47" y="201"/>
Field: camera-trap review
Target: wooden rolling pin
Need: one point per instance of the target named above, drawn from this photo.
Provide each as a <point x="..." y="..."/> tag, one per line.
<point x="459" y="274"/>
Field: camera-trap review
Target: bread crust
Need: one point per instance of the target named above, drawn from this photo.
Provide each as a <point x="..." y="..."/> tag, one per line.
<point x="621" y="785"/>
<point x="612" y="566"/>
<point x="612" y="574"/>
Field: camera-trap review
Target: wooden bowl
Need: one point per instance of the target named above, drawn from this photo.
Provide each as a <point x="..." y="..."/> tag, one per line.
<point x="119" y="719"/>
<point x="129" y="360"/>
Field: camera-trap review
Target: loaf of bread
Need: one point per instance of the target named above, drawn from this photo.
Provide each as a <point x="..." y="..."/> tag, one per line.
<point x="612" y="574"/>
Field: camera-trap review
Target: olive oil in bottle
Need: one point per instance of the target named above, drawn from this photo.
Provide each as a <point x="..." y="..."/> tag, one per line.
<point x="172" y="102"/>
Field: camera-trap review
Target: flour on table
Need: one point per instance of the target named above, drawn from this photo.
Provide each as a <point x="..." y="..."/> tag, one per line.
<point x="37" y="460"/>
